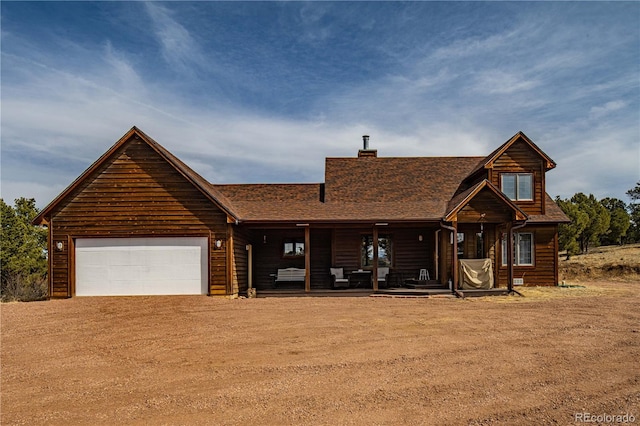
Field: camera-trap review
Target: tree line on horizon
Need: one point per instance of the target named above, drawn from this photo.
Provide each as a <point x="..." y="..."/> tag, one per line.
<point x="23" y="246"/>
<point x="594" y="222"/>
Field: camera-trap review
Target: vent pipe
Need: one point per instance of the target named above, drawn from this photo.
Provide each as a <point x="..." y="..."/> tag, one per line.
<point x="366" y="152"/>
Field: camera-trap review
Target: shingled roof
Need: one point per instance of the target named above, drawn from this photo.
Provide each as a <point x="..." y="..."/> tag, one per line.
<point x="358" y="189"/>
<point x="368" y="189"/>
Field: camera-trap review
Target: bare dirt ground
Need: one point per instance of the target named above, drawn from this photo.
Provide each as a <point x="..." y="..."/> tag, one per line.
<point x="370" y="360"/>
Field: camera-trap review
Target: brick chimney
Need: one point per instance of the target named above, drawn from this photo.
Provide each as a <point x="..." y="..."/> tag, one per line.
<point x="366" y="152"/>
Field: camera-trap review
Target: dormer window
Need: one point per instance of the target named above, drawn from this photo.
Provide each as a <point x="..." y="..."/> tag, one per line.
<point x="517" y="186"/>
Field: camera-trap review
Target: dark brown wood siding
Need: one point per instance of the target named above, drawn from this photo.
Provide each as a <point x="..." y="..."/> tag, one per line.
<point x="60" y="285"/>
<point x="347" y="248"/>
<point x="241" y="237"/>
<point x="136" y="193"/>
<point x="409" y="254"/>
<point x="544" y="271"/>
<point x="521" y="158"/>
<point x="320" y="258"/>
<point x="268" y="255"/>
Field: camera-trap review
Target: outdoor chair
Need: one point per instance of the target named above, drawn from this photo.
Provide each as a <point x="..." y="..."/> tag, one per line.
<point x="424" y="275"/>
<point x="383" y="274"/>
<point x="338" y="278"/>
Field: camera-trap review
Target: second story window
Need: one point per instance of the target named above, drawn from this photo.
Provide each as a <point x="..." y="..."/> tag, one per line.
<point x="517" y="186"/>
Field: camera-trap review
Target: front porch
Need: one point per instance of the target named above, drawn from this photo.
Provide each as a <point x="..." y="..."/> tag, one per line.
<point x="361" y="251"/>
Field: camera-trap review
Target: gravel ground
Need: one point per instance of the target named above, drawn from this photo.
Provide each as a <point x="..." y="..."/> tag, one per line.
<point x="371" y="360"/>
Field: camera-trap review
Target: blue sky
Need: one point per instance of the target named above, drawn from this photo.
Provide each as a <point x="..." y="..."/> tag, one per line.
<point x="263" y="91"/>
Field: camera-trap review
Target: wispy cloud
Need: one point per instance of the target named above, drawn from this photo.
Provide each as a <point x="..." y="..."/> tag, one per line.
<point x="609" y="107"/>
<point x="178" y="47"/>
<point x="503" y="83"/>
<point x="276" y="95"/>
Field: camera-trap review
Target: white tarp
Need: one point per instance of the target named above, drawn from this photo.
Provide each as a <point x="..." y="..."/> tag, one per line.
<point x="475" y="274"/>
<point x="141" y="266"/>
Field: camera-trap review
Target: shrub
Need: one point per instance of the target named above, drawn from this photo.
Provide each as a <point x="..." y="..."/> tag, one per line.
<point x="24" y="288"/>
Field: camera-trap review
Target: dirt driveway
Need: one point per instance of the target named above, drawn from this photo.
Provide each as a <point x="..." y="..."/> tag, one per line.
<point x="370" y="360"/>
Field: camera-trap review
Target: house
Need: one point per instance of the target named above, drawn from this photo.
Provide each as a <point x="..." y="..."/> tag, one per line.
<point x="140" y="221"/>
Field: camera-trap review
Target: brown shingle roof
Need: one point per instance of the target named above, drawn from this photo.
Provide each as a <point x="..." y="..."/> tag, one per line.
<point x="355" y="189"/>
<point x="272" y="202"/>
<point x="358" y="189"/>
<point x="366" y="189"/>
<point x="388" y="179"/>
<point x="553" y="213"/>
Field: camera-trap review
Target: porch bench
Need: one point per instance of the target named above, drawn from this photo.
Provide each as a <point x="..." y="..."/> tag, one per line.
<point x="290" y="275"/>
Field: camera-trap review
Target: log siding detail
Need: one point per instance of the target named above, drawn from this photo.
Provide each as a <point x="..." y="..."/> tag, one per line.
<point x="139" y="189"/>
<point x="135" y="193"/>
<point x="520" y="158"/>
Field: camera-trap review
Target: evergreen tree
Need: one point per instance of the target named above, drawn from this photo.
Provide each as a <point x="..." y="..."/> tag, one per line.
<point x="569" y="233"/>
<point x="620" y="221"/>
<point x="22" y="252"/>
<point x="599" y="219"/>
<point x="633" y="234"/>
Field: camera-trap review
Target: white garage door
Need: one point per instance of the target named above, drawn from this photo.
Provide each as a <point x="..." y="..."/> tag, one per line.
<point x="141" y="266"/>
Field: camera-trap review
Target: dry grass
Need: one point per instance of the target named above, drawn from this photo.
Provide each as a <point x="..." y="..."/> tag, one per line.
<point x="571" y="290"/>
<point x="617" y="263"/>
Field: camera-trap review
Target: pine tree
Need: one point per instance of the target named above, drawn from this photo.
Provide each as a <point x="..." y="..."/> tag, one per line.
<point x="22" y="252"/>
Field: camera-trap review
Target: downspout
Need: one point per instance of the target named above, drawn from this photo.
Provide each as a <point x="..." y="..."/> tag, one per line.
<point x="454" y="261"/>
<point x="437" y="268"/>
<point x="251" y="292"/>
<point x="510" y="257"/>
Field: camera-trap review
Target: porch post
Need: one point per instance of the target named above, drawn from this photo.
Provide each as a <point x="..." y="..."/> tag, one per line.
<point x="307" y="259"/>
<point x="229" y="253"/>
<point x="444" y="243"/>
<point x="374" y="273"/>
<point x="454" y="256"/>
<point x="510" y="256"/>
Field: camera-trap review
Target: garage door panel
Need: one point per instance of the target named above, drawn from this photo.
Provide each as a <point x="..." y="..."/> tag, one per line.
<point x="141" y="266"/>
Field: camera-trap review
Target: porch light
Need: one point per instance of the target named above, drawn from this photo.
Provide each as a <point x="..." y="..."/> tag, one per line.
<point x="264" y="239"/>
<point x="381" y="224"/>
<point x="218" y="244"/>
<point x="420" y="237"/>
<point x="59" y="245"/>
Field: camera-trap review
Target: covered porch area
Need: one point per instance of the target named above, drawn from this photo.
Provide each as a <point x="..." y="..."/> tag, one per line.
<point x="371" y="257"/>
<point x="381" y="256"/>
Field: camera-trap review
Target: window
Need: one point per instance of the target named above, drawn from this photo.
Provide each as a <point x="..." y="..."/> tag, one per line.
<point x="460" y="245"/>
<point x="385" y="250"/>
<point x="518" y="186"/>
<point x="293" y="248"/>
<point x="522" y="249"/>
